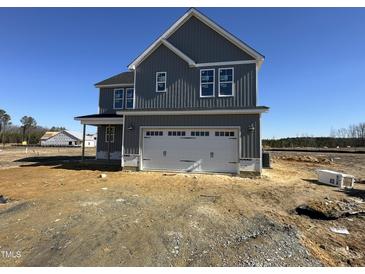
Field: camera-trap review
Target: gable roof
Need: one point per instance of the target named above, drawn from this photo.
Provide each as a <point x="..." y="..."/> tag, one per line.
<point x="74" y="134"/>
<point x="125" y="78"/>
<point x="48" y="135"/>
<point x="193" y="12"/>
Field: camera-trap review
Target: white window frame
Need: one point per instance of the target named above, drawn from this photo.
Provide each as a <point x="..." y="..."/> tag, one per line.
<point x="117" y="89"/>
<point x="165" y="82"/>
<point x="200" y="83"/>
<point x="219" y="83"/>
<point x="126" y="98"/>
<point x="112" y="134"/>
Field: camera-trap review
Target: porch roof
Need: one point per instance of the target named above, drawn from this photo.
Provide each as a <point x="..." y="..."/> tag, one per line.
<point x="100" y="119"/>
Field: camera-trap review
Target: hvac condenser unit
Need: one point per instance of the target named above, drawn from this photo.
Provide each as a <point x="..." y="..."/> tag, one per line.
<point x="334" y="178"/>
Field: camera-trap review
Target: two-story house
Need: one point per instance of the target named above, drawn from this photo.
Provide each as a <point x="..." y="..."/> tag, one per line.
<point x="188" y="103"/>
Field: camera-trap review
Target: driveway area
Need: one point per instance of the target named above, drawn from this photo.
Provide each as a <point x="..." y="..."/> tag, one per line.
<point x="65" y="215"/>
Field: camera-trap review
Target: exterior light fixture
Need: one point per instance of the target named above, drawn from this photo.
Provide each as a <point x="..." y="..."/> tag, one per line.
<point x="130" y="127"/>
<point x="251" y="128"/>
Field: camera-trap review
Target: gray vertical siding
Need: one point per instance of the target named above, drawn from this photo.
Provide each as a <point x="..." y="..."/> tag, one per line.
<point x="183" y="85"/>
<point x="250" y="141"/>
<point x="203" y="44"/>
<point x="103" y="146"/>
<point x="106" y="100"/>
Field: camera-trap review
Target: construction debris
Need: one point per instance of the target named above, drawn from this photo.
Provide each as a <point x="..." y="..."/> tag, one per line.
<point x="334" y="178"/>
<point x="331" y="210"/>
<point x="340" y="230"/>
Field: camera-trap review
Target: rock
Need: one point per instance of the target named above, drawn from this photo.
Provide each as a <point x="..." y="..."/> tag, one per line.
<point x="3" y="199"/>
<point x="104" y="188"/>
<point x="103" y="175"/>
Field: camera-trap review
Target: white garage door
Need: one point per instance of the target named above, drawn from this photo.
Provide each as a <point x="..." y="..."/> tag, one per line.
<point x="190" y="149"/>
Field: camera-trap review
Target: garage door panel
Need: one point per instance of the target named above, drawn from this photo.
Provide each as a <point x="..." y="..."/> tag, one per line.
<point x="206" y="152"/>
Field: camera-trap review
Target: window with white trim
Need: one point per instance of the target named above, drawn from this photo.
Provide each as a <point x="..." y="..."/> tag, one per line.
<point x="225" y="87"/>
<point x="207" y="82"/>
<point x="118" y="98"/>
<point x="129" y="97"/>
<point x="161" y="78"/>
<point x="123" y="98"/>
<point x="109" y="134"/>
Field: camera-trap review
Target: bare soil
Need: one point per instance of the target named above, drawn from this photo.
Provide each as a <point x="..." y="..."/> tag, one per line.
<point x="64" y="214"/>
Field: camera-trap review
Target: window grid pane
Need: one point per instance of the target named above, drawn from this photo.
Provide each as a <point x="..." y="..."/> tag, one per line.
<point x="226" y="81"/>
<point x="207" y="83"/>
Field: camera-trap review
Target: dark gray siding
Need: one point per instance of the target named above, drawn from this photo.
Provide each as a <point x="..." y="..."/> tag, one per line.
<point x="203" y="44"/>
<point x="106" y="97"/>
<point x="183" y="85"/>
<point x="103" y="146"/>
<point x="250" y="141"/>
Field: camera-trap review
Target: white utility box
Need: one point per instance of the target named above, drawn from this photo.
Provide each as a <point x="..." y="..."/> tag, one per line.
<point x="334" y="178"/>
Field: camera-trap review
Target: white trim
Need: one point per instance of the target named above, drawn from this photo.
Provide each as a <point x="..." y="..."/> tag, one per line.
<point x="219" y="83"/>
<point x="200" y="84"/>
<point x="126" y="98"/>
<point x="208" y="22"/>
<point x="134" y="88"/>
<point x="193" y="112"/>
<point x="117" y="89"/>
<point x="157" y="82"/>
<point x="257" y="84"/>
<point x="179" y="53"/>
<point x="260" y="133"/>
<point x="111" y="134"/>
<point x="101" y="121"/>
<point x="114" y="85"/>
<point x="228" y="63"/>
<point x="122" y="149"/>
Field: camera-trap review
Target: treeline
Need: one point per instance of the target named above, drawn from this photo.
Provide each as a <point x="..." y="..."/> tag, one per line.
<point x="28" y="131"/>
<point x="353" y="136"/>
<point x="320" y="142"/>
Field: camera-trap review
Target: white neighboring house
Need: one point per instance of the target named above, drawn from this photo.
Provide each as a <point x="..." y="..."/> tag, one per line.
<point x="90" y="140"/>
<point x="67" y="138"/>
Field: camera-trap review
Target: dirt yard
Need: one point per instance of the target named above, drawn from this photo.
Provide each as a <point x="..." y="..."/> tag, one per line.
<point x="62" y="214"/>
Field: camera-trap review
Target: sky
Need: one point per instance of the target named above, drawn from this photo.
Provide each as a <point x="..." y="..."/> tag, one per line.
<point x="313" y="77"/>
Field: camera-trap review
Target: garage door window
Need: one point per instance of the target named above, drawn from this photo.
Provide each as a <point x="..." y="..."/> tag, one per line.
<point x="154" y="133"/>
<point x="199" y="133"/>
<point x="176" y="133"/>
<point x="224" y="133"/>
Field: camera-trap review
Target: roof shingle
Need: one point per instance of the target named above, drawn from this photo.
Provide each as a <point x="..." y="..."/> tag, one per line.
<point x="124" y="78"/>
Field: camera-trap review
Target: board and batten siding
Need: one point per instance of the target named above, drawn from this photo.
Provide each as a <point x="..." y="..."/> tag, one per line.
<point x="106" y="100"/>
<point x="114" y="147"/>
<point x="183" y="85"/>
<point x="250" y="141"/>
<point x="204" y="45"/>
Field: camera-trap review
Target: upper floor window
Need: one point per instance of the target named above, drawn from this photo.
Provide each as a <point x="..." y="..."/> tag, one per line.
<point x="207" y="83"/>
<point x="129" y="97"/>
<point x="225" y="82"/>
<point x="119" y="98"/>
<point x="161" y="81"/>
<point x="123" y="98"/>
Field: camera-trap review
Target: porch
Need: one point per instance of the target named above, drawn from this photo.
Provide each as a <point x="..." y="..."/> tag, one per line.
<point x="109" y="121"/>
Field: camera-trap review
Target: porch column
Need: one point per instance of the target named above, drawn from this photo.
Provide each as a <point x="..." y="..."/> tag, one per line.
<point x="109" y="135"/>
<point x="83" y="143"/>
